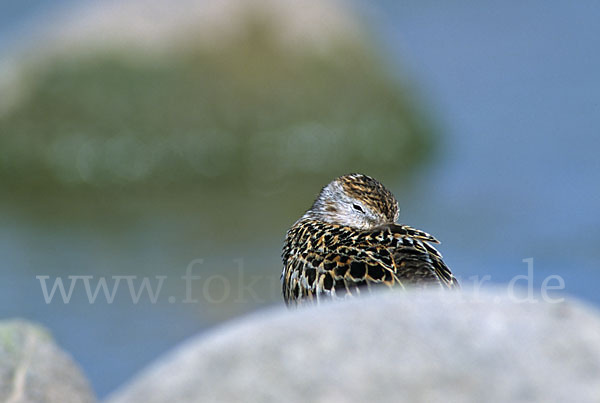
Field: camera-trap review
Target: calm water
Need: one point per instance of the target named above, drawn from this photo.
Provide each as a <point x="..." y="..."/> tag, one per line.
<point x="516" y="90"/>
<point x="517" y="87"/>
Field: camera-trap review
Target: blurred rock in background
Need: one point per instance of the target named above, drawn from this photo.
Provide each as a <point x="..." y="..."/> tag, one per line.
<point x="255" y="96"/>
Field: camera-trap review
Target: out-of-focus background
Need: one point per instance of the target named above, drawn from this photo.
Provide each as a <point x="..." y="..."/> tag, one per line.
<point x="137" y="137"/>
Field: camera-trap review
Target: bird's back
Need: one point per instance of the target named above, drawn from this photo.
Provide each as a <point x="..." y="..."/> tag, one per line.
<point x="323" y="260"/>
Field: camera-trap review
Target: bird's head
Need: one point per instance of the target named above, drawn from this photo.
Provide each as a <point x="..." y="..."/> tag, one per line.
<point x="355" y="200"/>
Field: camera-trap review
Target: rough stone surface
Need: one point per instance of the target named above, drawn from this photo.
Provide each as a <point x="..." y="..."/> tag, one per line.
<point x="391" y="348"/>
<point x="34" y="369"/>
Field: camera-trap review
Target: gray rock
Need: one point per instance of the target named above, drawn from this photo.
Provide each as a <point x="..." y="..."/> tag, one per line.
<point x="34" y="369"/>
<point x="391" y="347"/>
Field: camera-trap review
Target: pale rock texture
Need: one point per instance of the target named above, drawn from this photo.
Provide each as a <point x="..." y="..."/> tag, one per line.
<point x="408" y="347"/>
<point x="33" y="369"/>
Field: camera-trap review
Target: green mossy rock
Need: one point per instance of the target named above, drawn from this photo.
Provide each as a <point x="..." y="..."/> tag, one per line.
<point x="251" y="110"/>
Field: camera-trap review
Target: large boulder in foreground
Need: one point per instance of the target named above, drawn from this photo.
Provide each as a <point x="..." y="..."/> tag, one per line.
<point x="34" y="369"/>
<point x="391" y="347"/>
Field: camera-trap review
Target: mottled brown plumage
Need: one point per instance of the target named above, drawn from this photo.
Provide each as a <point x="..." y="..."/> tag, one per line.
<point x="347" y="243"/>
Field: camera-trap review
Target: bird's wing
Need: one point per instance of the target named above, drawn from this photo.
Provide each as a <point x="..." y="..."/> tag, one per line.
<point x="340" y="261"/>
<point x="415" y="259"/>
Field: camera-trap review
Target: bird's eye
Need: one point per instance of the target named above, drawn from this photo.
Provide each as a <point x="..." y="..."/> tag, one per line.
<point x="358" y="208"/>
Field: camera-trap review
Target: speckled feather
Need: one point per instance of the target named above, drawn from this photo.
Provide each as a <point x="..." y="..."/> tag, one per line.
<point x="324" y="259"/>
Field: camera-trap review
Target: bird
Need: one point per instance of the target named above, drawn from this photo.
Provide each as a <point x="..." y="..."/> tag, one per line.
<point x="348" y="243"/>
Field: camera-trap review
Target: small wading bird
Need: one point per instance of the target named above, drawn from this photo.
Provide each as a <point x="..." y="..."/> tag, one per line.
<point x="348" y="242"/>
